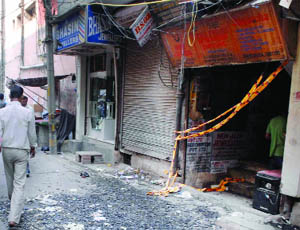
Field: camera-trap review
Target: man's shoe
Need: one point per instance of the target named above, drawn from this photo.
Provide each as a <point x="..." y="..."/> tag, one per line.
<point x="27" y="175"/>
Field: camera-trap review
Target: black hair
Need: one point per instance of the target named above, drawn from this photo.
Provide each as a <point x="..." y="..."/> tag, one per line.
<point x="1" y="96"/>
<point x="25" y="97"/>
<point x="16" y="92"/>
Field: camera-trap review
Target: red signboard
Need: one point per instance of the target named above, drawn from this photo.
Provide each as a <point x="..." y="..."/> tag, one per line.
<point x="245" y="35"/>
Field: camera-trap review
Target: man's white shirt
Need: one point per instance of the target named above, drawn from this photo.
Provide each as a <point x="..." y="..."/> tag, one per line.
<point x="17" y="126"/>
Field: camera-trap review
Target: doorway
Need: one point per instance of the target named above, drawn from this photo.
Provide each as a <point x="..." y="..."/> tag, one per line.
<point x="100" y="122"/>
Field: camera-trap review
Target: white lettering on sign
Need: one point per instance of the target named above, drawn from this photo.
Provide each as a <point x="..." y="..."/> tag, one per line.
<point x="94" y="26"/>
<point x="67" y="29"/>
<point x="142" y="27"/>
<point x="97" y="24"/>
<point x="285" y="3"/>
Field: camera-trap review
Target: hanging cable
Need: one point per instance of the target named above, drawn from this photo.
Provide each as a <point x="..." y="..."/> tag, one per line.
<point x="120" y="28"/>
<point x="193" y="24"/>
<point x="132" y="4"/>
<point x="35" y="100"/>
<point x="181" y="16"/>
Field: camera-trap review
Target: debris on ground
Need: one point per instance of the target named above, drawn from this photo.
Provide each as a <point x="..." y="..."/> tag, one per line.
<point x="131" y="174"/>
<point x="280" y="222"/>
<point x="84" y="174"/>
<point x="73" y="226"/>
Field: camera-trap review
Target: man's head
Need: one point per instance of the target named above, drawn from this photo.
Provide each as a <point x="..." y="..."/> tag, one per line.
<point x="1" y="96"/>
<point x="24" y="100"/>
<point x="16" y="92"/>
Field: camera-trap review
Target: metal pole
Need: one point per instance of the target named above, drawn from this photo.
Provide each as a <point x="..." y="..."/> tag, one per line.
<point x="179" y="102"/>
<point x="50" y="75"/>
<point x="2" y="75"/>
<point x="22" y="33"/>
<point x="117" y="130"/>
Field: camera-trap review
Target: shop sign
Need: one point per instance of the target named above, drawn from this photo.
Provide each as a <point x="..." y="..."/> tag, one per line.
<point x="71" y="31"/>
<point x="198" y="150"/>
<point x="227" y="148"/>
<point x="222" y="166"/>
<point x="84" y="27"/>
<point x="99" y="28"/>
<point x="143" y="26"/>
<point x="245" y="35"/>
<point x="285" y="3"/>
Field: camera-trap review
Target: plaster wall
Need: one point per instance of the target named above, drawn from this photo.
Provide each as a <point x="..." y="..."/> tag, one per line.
<point x="290" y="179"/>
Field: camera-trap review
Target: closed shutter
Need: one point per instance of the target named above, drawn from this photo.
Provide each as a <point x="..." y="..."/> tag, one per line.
<point x="149" y="103"/>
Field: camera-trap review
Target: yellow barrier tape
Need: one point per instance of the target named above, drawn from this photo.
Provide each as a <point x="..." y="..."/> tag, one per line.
<point x="255" y="90"/>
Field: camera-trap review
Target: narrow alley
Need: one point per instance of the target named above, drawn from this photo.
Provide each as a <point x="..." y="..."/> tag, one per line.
<point x="59" y="198"/>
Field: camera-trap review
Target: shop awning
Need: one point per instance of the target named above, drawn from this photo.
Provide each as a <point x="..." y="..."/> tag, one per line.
<point x="245" y="34"/>
<point x="36" y="82"/>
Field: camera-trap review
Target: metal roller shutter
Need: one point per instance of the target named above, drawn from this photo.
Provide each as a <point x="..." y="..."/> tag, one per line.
<point x="149" y="103"/>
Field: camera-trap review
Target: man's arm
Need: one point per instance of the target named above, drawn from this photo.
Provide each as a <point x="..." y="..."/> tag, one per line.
<point x="32" y="135"/>
<point x="1" y="133"/>
<point x="268" y="132"/>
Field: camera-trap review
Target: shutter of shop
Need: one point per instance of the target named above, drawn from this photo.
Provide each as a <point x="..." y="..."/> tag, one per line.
<point x="149" y="107"/>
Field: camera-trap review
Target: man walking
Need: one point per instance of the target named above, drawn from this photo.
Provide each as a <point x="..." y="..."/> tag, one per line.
<point x="17" y="130"/>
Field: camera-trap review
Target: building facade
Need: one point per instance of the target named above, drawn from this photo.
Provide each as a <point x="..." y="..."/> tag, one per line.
<point x="25" y="54"/>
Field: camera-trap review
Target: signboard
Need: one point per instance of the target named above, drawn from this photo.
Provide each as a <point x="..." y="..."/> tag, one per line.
<point x="245" y="35"/>
<point x="285" y="3"/>
<point x="199" y="153"/>
<point x="100" y="28"/>
<point x="142" y="27"/>
<point x="71" y="32"/>
<point x="198" y="150"/>
<point x="227" y="147"/>
<point x="87" y="26"/>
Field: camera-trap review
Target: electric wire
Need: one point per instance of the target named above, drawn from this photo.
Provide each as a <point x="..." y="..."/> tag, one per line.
<point x="193" y="25"/>
<point x="121" y="29"/>
<point x="131" y="4"/>
<point x="181" y="16"/>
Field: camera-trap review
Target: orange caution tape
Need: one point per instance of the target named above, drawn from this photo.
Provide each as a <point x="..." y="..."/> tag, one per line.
<point x="255" y="90"/>
<point x="221" y="187"/>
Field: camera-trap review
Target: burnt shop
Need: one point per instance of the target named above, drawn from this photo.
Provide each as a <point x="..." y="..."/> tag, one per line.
<point x="221" y="66"/>
<point x="85" y="32"/>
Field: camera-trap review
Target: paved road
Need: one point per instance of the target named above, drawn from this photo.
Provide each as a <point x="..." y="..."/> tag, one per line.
<point x="58" y="198"/>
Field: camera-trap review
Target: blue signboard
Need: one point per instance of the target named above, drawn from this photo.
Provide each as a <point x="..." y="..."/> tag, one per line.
<point x="100" y="28"/>
<point x="87" y="26"/>
<point x="71" y="31"/>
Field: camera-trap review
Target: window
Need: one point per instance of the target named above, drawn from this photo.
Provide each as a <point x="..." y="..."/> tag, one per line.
<point x="30" y="11"/>
<point x="98" y="63"/>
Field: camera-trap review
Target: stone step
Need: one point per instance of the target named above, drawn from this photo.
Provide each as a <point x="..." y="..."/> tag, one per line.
<point x="89" y="157"/>
<point x="248" y="175"/>
<point x="245" y="189"/>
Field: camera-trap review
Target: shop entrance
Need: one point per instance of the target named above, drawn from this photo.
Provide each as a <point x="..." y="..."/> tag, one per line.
<point x="213" y="91"/>
<point x="100" y="122"/>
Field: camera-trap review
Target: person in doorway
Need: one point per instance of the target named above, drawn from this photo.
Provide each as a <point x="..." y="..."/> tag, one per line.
<point x="17" y="129"/>
<point x="2" y="102"/>
<point x="24" y="102"/>
<point x="276" y="134"/>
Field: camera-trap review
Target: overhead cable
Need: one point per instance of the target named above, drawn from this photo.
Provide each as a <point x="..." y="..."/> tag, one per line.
<point x="131" y="4"/>
<point x="181" y="16"/>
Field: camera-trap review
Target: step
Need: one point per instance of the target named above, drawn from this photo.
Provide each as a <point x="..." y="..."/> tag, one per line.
<point x="245" y="189"/>
<point x="89" y="157"/>
<point x="248" y="175"/>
